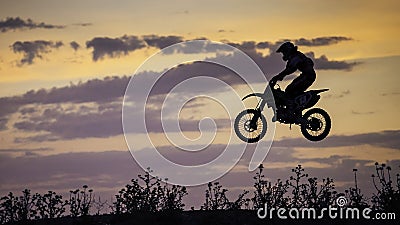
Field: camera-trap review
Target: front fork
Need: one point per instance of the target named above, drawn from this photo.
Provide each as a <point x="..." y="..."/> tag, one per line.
<point x="257" y="115"/>
<point x="260" y="108"/>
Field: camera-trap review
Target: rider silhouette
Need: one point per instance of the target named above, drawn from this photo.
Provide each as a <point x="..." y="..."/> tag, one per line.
<point x="295" y="61"/>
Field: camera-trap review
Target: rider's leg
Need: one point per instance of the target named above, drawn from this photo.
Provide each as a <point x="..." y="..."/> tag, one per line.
<point x="299" y="85"/>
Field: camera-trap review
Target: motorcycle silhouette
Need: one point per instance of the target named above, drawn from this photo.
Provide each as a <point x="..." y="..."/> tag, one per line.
<point x="250" y="125"/>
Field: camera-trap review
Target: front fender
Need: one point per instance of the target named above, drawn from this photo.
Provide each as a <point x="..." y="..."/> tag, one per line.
<point x="261" y="95"/>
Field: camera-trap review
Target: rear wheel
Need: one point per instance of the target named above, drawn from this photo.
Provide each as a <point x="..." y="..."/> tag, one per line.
<point x="317" y="124"/>
<point x="247" y="131"/>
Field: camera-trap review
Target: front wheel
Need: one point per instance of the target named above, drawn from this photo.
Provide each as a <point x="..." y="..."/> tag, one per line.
<point x="316" y="125"/>
<point x="246" y="129"/>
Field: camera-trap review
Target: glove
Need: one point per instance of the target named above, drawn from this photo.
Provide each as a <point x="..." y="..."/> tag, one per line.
<point x="272" y="82"/>
<point x="275" y="79"/>
<point x="279" y="77"/>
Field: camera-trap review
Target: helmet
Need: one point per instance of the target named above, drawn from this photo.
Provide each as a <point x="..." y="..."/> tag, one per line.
<point x="287" y="49"/>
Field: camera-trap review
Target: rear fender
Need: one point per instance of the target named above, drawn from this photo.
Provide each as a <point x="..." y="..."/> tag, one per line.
<point x="309" y="98"/>
<point x="319" y="91"/>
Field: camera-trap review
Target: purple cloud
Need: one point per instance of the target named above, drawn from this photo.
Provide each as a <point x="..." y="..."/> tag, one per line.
<point x="114" y="47"/>
<point x="105" y="119"/>
<point x="388" y="139"/>
<point x="323" y="63"/>
<point x="321" y="41"/>
<point x="161" y="42"/>
<point x="268" y="63"/>
<point x="74" y="45"/>
<point x="34" y="49"/>
<point x="107" y="93"/>
<point x="11" y="23"/>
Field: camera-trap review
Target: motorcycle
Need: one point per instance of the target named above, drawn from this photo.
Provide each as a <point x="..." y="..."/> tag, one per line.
<point x="251" y="125"/>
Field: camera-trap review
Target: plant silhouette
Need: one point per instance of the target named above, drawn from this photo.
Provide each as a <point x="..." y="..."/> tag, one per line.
<point x="80" y="201"/>
<point x="49" y="205"/>
<point x="387" y="197"/>
<point x="150" y="194"/>
<point x="303" y="193"/>
<point x="216" y="198"/>
<point x="147" y="194"/>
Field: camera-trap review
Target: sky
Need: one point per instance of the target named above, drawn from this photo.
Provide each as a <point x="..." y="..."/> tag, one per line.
<point x="65" y="65"/>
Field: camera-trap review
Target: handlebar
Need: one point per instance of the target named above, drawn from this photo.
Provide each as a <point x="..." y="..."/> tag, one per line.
<point x="272" y="84"/>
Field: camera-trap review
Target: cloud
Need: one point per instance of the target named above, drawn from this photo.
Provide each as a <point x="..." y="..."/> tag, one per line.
<point x="270" y="63"/>
<point x="108" y="93"/>
<point x="11" y="23"/>
<point x="323" y="63"/>
<point x="14" y="150"/>
<point x="34" y="49"/>
<point x="98" y="102"/>
<point x="181" y="12"/>
<point x="58" y="123"/>
<point x="264" y="45"/>
<point x="74" y="45"/>
<point x="245" y="46"/>
<point x="161" y="42"/>
<point x="66" y="122"/>
<point x="104" y="90"/>
<point x="362" y="113"/>
<point x="184" y="72"/>
<point x="321" y="41"/>
<point x="341" y="95"/>
<point x="94" y="90"/>
<point x="114" y="47"/>
<point x="3" y="124"/>
<point x="69" y="170"/>
<point x="390" y="93"/>
<point x="225" y="31"/>
<point x="83" y="24"/>
<point x="87" y="109"/>
<point x="388" y="139"/>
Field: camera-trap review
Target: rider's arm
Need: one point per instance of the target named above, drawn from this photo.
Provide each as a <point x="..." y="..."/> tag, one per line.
<point x="288" y="70"/>
<point x="291" y="66"/>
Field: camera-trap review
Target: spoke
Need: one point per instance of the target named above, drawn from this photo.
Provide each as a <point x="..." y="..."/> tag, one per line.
<point x="244" y="126"/>
<point x="322" y="120"/>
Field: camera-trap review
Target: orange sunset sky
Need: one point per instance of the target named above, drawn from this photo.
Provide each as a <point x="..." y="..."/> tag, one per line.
<point x="64" y="66"/>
